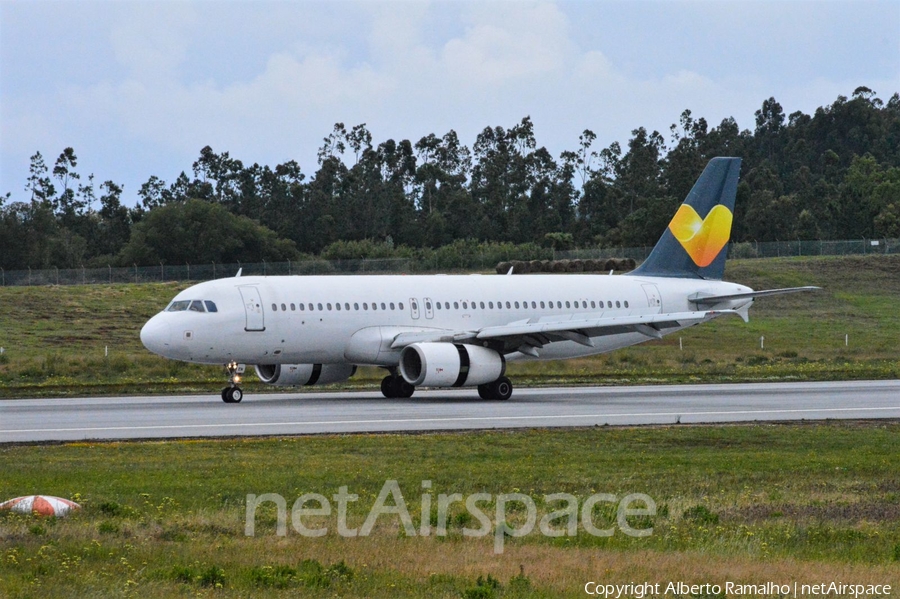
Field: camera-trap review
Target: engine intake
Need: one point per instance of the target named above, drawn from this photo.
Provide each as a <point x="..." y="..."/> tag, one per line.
<point x="291" y="375"/>
<point x="450" y="365"/>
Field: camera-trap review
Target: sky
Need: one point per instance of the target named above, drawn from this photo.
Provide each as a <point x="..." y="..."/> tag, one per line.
<point x="137" y="88"/>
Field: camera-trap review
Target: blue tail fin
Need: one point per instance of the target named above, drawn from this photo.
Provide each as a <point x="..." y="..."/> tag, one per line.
<point x="694" y="244"/>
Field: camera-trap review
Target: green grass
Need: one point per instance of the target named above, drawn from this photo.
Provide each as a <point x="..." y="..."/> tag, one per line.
<point x="56" y="338"/>
<point x="811" y="503"/>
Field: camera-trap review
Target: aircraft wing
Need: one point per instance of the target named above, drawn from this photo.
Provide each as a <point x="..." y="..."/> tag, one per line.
<point x="527" y="336"/>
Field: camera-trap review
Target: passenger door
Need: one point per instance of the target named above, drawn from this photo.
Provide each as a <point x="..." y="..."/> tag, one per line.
<point x="253" y="308"/>
<point x="652" y="293"/>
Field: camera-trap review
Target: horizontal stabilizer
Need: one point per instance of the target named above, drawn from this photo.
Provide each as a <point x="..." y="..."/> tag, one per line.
<point x="715" y="299"/>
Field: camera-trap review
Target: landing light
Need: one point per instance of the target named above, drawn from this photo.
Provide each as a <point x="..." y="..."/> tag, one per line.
<point x="237" y="378"/>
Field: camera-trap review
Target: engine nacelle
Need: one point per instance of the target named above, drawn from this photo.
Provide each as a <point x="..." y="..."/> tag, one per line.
<point x="450" y="365"/>
<point x="291" y="375"/>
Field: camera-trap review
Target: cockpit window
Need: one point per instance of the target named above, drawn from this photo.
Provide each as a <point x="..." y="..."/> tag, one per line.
<point x="193" y="306"/>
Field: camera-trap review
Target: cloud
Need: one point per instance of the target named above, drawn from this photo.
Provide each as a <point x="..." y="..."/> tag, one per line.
<point x="266" y="82"/>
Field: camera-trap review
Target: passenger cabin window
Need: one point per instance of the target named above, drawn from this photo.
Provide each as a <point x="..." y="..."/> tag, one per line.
<point x="392" y="305"/>
<point x="338" y="305"/>
<point x="319" y="306"/>
<point x="283" y="308"/>
<point x="626" y="303"/>
<point x="383" y="307"/>
<point x="274" y="308"/>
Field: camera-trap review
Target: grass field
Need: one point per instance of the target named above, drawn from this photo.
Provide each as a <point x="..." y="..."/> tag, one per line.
<point x="807" y="503"/>
<point x="56" y="339"/>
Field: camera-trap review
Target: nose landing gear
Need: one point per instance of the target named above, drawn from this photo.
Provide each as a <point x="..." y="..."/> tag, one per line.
<point x="232" y="393"/>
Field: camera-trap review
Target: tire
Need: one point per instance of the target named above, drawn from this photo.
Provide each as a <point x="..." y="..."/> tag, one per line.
<point x="237" y="395"/>
<point x="485" y="392"/>
<point x="388" y="388"/>
<point x="224" y="395"/>
<point x="404" y="389"/>
<point x="502" y="388"/>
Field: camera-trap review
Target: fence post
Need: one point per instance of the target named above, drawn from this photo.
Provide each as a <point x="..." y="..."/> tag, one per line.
<point x="162" y="272"/>
<point x="188" y="264"/>
<point x="264" y="268"/>
<point x="29" y="276"/>
<point x="4" y="276"/>
<point x="214" y="269"/>
<point x="83" y="276"/>
<point x="290" y="272"/>
<point x="135" y="272"/>
<point x="110" y="273"/>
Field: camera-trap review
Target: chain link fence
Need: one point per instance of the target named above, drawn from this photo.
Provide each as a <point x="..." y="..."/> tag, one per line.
<point x="468" y="263"/>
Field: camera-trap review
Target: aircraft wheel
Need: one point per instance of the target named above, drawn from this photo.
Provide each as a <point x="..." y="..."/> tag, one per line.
<point x="225" y="394"/>
<point x="388" y="389"/>
<point x="404" y="389"/>
<point x="237" y="395"/>
<point x="502" y="388"/>
<point x="485" y="392"/>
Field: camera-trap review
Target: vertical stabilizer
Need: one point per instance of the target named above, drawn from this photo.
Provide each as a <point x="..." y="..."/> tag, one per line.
<point x="694" y="244"/>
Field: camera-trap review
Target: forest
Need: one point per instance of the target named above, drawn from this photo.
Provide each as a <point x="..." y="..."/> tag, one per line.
<point x="834" y="174"/>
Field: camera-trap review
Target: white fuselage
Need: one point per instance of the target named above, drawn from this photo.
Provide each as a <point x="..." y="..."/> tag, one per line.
<point x="351" y="319"/>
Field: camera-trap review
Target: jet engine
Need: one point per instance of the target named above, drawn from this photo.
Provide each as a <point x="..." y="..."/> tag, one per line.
<point x="450" y="365"/>
<point x="291" y="375"/>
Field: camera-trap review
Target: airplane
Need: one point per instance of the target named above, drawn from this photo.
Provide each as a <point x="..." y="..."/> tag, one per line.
<point x="459" y="330"/>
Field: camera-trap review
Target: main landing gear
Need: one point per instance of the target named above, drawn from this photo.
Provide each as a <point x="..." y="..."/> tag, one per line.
<point x="394" y="386"/>
<point x="232" y="393"/>
<point x="500" y="389"/>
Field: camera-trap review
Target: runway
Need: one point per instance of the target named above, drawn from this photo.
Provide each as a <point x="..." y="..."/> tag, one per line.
<point x="159" y="417"/>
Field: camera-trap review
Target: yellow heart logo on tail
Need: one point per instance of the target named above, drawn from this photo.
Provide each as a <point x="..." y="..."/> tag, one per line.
<point x="702" y="238"/>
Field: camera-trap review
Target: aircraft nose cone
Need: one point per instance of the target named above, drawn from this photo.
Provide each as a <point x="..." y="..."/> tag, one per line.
<point x="155" y="335"/>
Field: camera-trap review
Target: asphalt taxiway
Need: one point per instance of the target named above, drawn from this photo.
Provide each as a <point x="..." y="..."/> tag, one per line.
<point x="159" y="417"/>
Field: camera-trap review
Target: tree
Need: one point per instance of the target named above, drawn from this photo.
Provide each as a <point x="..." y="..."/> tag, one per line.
<point x="198" y="232"/>
<point x="39" y="185"/>
<point x="67" y="204"/>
